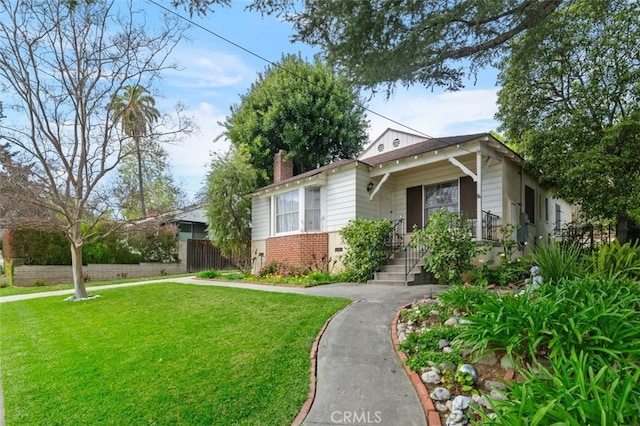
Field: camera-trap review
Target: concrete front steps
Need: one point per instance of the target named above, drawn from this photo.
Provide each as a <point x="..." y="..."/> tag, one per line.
<point x="393" y="273"/>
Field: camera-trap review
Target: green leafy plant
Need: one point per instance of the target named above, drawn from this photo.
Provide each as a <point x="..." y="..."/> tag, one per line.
<point x="576" y="389"/>
<point x="451" y="248"/>
<point x="38" y="283"/>
<point x="615" y="260"/>
<point x="423" y="348"/>
<point x="210" y="274"/>
<point x="559" y="260"/>
<point x="461" y="381"/>
<point x="365" y="252"/>
<point x="464" y="299"/>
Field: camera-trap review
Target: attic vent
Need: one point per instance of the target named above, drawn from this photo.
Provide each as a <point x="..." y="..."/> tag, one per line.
<point x="396" y="142"/>
<point x="381" y="147"/>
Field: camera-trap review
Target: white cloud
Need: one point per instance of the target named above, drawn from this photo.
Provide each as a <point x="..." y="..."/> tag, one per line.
<point x="190" y="159"/>
<point x="437" y="114"/>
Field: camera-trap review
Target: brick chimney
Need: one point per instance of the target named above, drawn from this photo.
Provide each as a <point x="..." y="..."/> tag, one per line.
<point x="282" y="169"/>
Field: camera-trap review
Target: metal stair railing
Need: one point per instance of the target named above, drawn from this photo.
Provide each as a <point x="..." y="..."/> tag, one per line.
<point x="392" y="242"/>
<point x="414" y="253"/>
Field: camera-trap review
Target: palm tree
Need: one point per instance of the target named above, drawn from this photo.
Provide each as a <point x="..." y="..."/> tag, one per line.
<point x="136" y="111"/>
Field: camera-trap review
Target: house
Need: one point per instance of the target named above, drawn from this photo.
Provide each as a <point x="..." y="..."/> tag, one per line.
<point x="402" y="177"/>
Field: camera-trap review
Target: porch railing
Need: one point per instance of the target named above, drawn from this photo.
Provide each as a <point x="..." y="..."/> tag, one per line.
<point x="489" y="224"/>
<point x="392" y="242"/>
<point x="413" y="254"/>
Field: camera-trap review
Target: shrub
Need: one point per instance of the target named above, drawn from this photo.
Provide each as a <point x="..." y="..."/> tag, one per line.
<point x="365" y="253"/>
<point x="464" y="299"/>
<point x="559" y="260"/>
<point x="576" y="389"/>
<point x="451" y="248"/>
<point x="615" y="260"/>
<point x="601" y="317"/>
<point x="38" y="283"/>
<point x="210" y="274"/>
<point x="279" y="269"/>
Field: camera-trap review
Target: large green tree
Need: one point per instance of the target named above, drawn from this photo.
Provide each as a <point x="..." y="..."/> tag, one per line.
<point x="429" y="42"/>
<point x="303" y="108"/>
<point x="61" y="62"/>
<point x="230" y="180"/>
<point x="135" y="109"/>
<point x="570" y="100"/>
<point x="161" y="193"/>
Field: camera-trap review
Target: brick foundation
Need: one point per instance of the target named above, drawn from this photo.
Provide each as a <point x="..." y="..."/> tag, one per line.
<point x="298" y="250"/>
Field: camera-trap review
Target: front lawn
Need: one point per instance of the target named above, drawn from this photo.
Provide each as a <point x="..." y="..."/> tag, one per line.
<point x="160" y="354"/>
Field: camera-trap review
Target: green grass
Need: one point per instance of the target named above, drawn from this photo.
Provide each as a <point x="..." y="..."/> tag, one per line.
<point x="160" y="354"/>
<point x="10" y="291"/>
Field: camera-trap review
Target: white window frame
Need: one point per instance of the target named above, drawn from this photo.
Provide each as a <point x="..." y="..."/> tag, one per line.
<point x="288" y="211"/>
<point x="450" y="184"/>
<point x="300" y="215"/>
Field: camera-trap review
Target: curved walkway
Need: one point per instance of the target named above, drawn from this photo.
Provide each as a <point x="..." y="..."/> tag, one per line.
<point x="360" y="380"/>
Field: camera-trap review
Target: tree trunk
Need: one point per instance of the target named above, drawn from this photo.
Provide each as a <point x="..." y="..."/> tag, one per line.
<point x="76" y="263"/>
<point x="143" y="206"/>
<point x="622" y="227"/>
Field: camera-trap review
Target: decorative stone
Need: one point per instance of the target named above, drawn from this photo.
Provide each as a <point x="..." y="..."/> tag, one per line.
<point x="444" y="366"/>
<point x="471" y="370"/>
<point x="488" y="360"/>
<point x="447" y="350"/>
<point x="451" y="322"/>
<point x="461" y="403"/>
<point x="402" y="337"/>
<point x="431" y="377"/>
<point x="497" y="395"/>
<point x="435" y="370"/>
<point x="401" y="327"/>
<point x="442" y="408"/>
<point x="449" y="405"/>
<point x="443" y="343"/>
<point x="506" y="362"/>
<point x="492" y="384"/>
<point x="457" y="418"/>
<point x="475" y="398"/>
<point x="440" y="394"/>
<point x="464" y="321"/>
<point x="482" y="401"/>
<point x="434" y="313"/>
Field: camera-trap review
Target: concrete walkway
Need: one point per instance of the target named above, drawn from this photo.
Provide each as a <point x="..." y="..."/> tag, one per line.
<point x="360" y="380"/>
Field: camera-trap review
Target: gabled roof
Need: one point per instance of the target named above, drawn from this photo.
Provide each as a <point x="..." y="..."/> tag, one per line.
<point x="422" y="147"/>
<point x="326" y="167"/>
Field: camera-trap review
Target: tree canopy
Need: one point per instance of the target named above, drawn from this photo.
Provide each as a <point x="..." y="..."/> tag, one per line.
<point x="228" y="205"/>
<point x="572" y="105"/>
<point x="303" y="108"/>
<point x="61" y="63"/>
<point x="136" y="111"/>
<point x="428" y="42"/>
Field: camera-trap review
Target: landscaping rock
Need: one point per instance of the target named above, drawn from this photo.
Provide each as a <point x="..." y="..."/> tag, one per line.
<point x="457" y="418"/>
<point x="451" y="322"/>
<point x="443" y="343"/>
<point x="434" y="313"/>
<point x="461" y="403"/>
<point x="431" y="377"/>
<point x="442" y="408"/>
<point x="440" y="394"/>
<point x="507" y="363"/>
<point x="492" y="384"/>
<point x="447" y="349"/>
<point x="447" y="366"/>
<point x="488" y="360"/>
<point x="497" y="395"/>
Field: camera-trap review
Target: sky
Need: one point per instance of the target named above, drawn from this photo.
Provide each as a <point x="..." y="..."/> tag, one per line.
<point x="213" y="73"/>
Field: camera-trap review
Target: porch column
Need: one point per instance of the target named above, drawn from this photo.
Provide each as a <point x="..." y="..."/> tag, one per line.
<point x="479" y="195"/>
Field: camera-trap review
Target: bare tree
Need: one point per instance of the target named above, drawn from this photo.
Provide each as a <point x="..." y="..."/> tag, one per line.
<point x="61" y="63"/>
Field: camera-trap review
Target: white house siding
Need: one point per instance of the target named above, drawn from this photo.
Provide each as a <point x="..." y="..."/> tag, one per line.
<point x="261" y="217"/>
<point x="364" y="207"/>
<point x="341" y="197"/>
<point x="492" y="189"/>
<point x="386" y="140"/>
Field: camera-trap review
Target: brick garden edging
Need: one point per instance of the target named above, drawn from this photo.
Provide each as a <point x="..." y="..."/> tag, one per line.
<point x="433" y="417"/>
<point x="306" y="407"/>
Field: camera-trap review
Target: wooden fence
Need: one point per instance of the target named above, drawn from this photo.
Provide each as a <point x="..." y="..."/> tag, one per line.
<point x="202" y="255"/>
